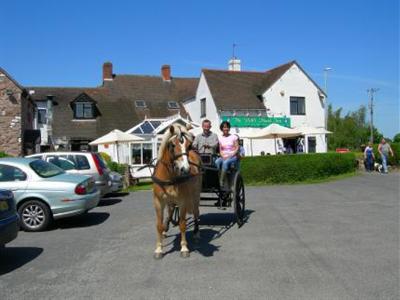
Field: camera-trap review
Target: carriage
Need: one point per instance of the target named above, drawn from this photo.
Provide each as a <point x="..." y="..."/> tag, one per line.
<point x="231" y="195"/>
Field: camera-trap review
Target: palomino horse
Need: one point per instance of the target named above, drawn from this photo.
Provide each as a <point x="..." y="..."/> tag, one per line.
<point x="176" y="182"/>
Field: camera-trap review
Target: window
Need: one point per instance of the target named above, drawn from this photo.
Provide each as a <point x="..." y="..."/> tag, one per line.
<point x="312" y="144"/>
<point x="140" y="104"/>
<point x="203" y="108"/>
<point x="83" y="110"/>
<point x="82" y="162"/>
<point x="10" y="173"/>
<point x="62" y="162"/>
<point x="142" y="153"/>
<point x="173" y="105"/>
<point x="42" y="116"/>
<point x="44" y="169"/>
<point x="297" y="106"/>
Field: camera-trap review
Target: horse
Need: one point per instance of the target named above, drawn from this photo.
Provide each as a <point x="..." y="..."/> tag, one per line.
<point x="176" y="182"/>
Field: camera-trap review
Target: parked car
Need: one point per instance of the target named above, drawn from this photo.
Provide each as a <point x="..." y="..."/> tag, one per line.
<point x="84" y="163"/>
<point x="9" y="221"/>
<point x="116" y="182"/>
<point x="44" y="192"/>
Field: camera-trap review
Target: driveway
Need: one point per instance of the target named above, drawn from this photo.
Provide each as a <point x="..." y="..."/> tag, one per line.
<point x="337" y="240"/>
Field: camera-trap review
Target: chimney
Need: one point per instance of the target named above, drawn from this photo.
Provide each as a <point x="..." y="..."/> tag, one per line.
<point x="107" y="71"/>
<point x="234" y="64"/>
<point x="166" y="72"/>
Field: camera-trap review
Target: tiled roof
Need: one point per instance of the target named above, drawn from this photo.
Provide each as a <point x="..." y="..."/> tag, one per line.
<point x="116" y="103"/>
<point x="239" y="89"/>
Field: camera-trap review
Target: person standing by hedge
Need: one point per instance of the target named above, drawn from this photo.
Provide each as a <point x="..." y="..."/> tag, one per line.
<point x="384" y="149"/>
<point x="369" y="157"/>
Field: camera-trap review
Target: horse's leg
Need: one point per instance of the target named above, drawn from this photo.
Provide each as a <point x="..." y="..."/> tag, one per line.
<point x="169" y="218"/>
<point x="182" y="227"/>
<point x="159" y="206"/>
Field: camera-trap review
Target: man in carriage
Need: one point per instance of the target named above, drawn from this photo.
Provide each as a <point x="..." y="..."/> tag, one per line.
<point x="207" y="141"/>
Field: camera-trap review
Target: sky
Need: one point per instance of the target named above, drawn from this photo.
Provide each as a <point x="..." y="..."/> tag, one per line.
<point x="65" y="43"/>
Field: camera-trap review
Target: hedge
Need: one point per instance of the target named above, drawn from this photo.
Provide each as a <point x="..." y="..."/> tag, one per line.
<point x="296" y="167"/>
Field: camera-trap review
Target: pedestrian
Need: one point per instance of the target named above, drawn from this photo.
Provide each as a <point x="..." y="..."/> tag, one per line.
<point x="384" y="150"/>
<point x="369" y="157"/>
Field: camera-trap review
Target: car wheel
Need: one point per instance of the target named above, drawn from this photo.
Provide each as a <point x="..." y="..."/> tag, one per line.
<point x="35" y="215"/>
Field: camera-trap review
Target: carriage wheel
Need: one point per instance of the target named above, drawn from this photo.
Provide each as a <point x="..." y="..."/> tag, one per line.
<point x="238" y="198"/>
<point x="175" y="216"/>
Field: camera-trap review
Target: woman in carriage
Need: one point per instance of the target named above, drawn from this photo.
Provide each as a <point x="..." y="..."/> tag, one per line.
<point x="228" y="150"/>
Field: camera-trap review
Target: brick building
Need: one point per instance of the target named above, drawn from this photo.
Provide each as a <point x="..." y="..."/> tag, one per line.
<point x="17" y="118"/>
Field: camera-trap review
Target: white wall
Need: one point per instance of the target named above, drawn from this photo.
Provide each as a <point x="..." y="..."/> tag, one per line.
<point x="295" y="83"/>
<point x="277" y="98"/>
<point x="194" y="109"/>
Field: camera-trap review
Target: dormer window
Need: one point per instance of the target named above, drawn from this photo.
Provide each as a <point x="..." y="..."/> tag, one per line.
<point x="173" y="105"/>
<point x="84" y="108"/>
<point x="140" y="104"/>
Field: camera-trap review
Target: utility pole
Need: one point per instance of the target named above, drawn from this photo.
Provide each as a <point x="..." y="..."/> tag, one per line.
<point x="326" y="70"/>
<point x="371" y="92"/>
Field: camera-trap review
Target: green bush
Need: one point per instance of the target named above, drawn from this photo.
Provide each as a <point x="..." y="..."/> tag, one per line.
<point x="296" y="167"/>
<point x="112" y="165"/>
<point x="116" y="167"/>
<point x="3" y="154"/>
<point x="106" y="157"/>
<point x="393" y="160"/>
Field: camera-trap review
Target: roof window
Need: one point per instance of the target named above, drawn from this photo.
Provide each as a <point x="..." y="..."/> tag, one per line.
<point x="173" y="105"/>
<point x="140" y="104"/>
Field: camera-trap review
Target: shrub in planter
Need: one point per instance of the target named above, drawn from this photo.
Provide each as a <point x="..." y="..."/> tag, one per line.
<point x="296" y="168"/>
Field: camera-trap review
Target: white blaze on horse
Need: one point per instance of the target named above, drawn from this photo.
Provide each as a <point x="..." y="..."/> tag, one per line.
<point x="176" y="182"/>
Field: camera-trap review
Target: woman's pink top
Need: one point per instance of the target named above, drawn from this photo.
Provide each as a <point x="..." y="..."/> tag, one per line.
<point x="227" y="145"/>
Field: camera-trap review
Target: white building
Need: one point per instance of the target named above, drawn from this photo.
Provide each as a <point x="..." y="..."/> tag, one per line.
<point x="252" y="100"/>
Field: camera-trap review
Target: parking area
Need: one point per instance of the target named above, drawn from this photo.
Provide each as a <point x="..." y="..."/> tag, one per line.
<point x="337" y="240"/>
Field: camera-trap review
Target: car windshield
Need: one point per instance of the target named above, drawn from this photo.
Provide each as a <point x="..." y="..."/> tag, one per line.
<point x="45" y="169"/>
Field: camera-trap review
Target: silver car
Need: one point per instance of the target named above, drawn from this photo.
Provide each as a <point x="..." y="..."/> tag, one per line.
<point x="44" y="192"/>
<point x="84" y="163"/>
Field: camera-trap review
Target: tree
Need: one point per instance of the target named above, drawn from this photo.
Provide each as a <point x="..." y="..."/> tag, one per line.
<point x="396" y="138"/>
<point x="350" y="131"/>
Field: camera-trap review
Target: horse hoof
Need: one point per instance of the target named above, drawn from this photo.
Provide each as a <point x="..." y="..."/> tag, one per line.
<point x="185" y="254"/>
<point x="158" y="256"/>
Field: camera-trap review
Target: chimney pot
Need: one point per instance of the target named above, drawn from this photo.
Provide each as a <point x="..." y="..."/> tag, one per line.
<point x="107" y="71"/>
<point x="166" y="72"/>
<point x="234" y="64"/>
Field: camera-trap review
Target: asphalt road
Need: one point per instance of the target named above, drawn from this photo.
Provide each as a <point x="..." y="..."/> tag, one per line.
<point x="337" y="240"/>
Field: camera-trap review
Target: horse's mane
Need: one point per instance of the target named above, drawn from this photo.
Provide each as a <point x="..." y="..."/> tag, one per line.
<point x="167" y="136"/>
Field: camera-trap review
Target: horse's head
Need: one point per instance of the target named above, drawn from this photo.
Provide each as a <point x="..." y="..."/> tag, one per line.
<point x="179" y="144"/>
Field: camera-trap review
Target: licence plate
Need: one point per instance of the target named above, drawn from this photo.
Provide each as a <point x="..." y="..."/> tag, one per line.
<point x="3" y="205"/>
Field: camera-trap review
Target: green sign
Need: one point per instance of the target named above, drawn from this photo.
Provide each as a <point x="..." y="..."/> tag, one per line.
<point x="243" y="121"/>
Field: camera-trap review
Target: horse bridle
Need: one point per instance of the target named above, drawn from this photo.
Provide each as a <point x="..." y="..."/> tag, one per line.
<point x="179" y="178"/>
